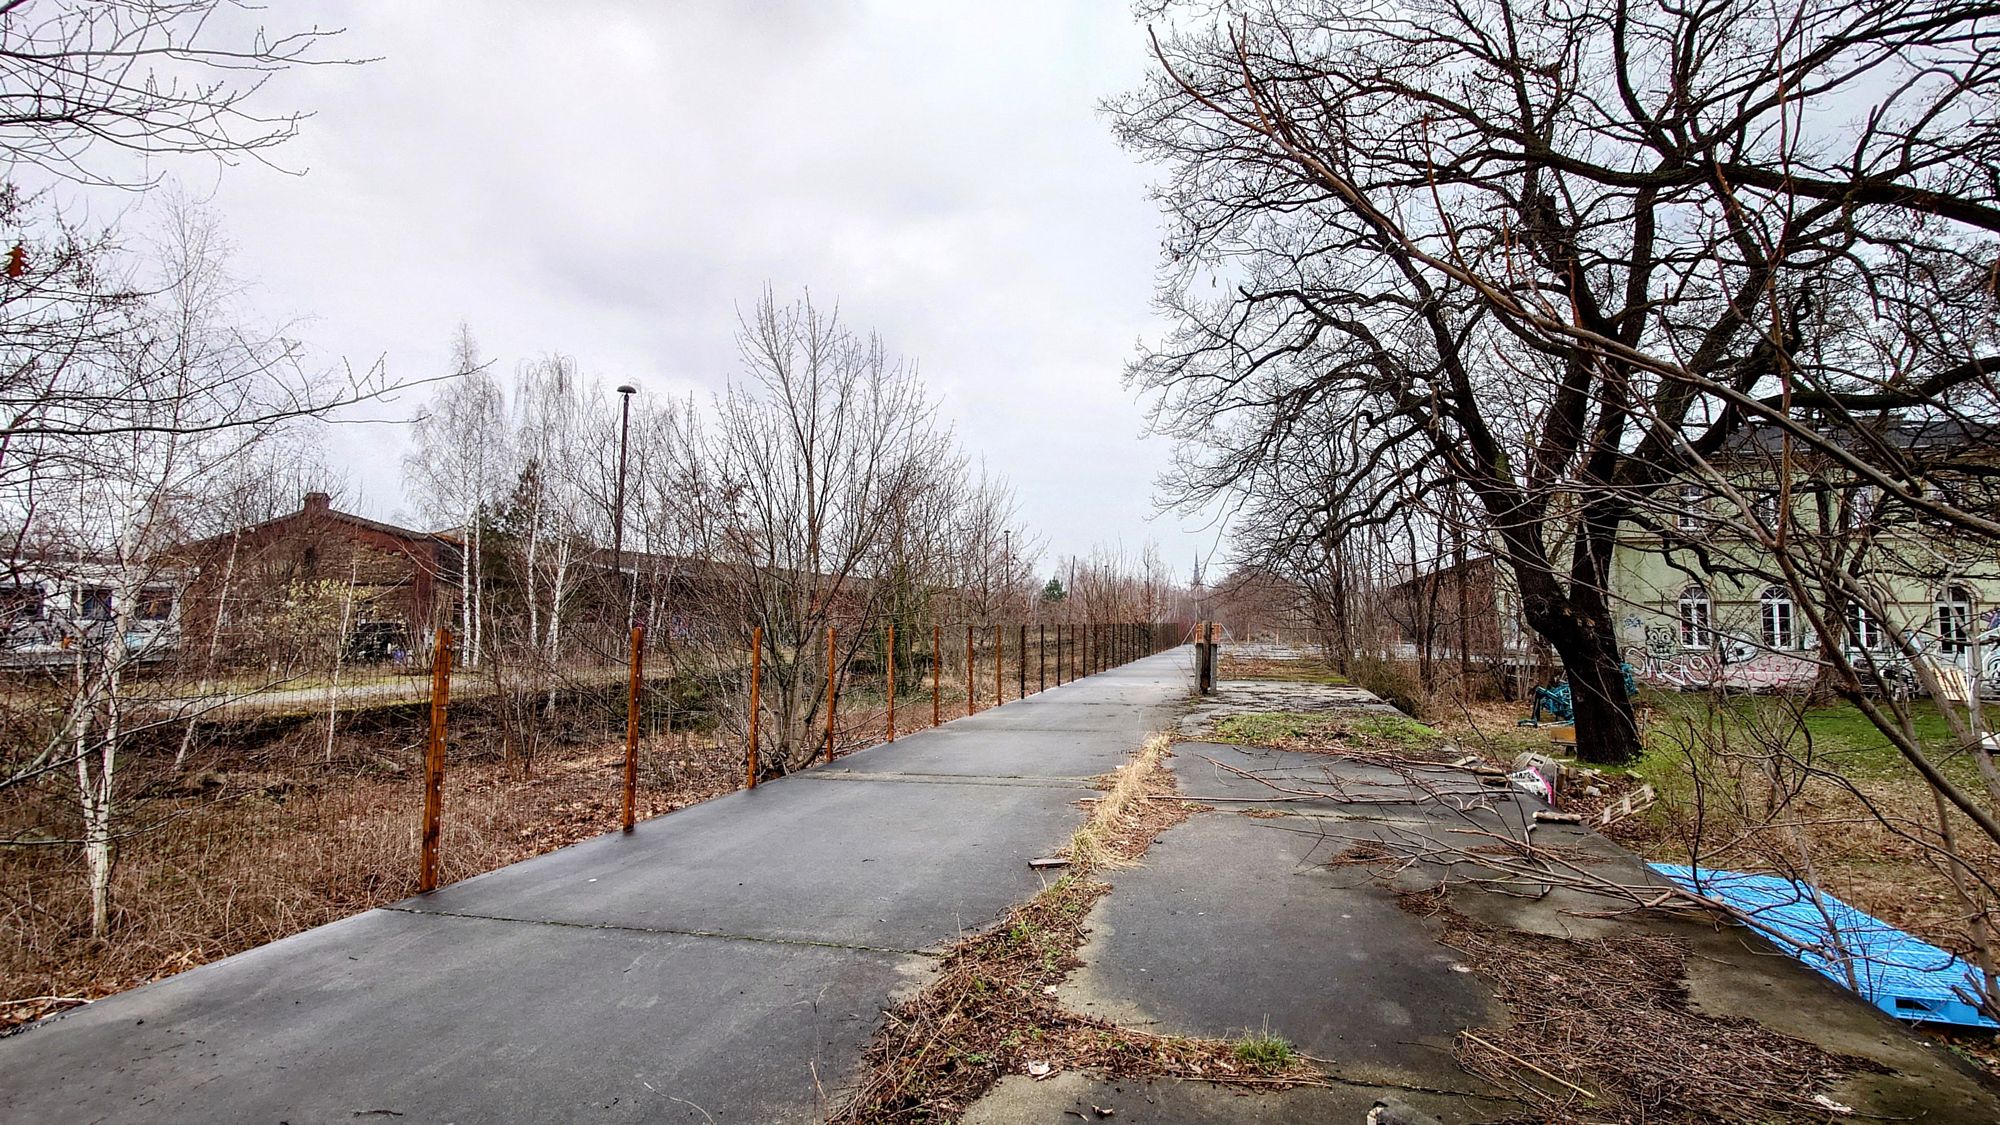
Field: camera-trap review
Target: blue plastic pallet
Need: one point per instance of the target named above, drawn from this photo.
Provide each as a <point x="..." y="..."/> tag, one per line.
<point x="1905" y="977"/>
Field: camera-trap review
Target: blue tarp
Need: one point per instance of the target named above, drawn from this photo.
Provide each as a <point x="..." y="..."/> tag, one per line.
<point x="1905" y="977"/>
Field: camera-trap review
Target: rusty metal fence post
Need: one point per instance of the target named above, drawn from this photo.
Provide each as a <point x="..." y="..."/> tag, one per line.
<point x="756" y="666"/>
<point x="433" y="829"/>
<point x="632" y="727"/>
<point x="1021" y="663"/>
<point x="1041" y="658"/>
<point x="832" y="681"/>
<point x="890" y="672"/>
<point x="969" y="680"/>
<point x="937" y="675"/>
<point x="999" y="667"/>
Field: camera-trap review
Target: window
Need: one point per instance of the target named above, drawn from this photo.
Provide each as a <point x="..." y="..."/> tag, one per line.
<point x="1863" y="631"/>
<point x="1687" y="516"/>
<point x="1767" y="509"/>
<point x="1954" y="620"/>
<point x="1776" y="605"/>
<point x="21" y="603"/>
<point x="93" y="603"/>
<point x="1694" y="618"/>
<point x="156" y="603"/>
<point x="1861" y="508"/>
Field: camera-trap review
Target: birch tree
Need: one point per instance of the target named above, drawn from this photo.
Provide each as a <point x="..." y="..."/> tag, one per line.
<point x="456" y="468"/>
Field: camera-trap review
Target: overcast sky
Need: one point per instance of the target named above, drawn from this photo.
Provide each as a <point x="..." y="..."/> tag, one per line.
<point x="614" y="180"/>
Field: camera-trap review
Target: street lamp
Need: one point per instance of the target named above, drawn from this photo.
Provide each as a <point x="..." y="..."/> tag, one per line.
<point x="1006" y="562"/>
<point x="625" y="393"/>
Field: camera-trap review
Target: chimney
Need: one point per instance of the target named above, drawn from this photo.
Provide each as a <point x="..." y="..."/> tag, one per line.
<point x="317" y="502"/>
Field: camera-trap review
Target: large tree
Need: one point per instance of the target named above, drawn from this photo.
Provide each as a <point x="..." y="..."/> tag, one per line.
<point x="1553" y="255"/>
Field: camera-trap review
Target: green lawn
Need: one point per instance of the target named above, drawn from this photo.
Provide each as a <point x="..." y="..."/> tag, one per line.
<point x="1836" y="735"/>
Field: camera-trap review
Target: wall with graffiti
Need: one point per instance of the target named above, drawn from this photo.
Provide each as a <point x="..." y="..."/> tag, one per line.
<point x="1735" y="660"/>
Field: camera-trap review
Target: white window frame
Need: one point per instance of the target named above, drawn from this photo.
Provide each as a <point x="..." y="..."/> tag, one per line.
<point x="1691" y="506"/>
<point x="1779" y="617"/>
<point x="1953" y="609"/>
<point x="1864" y="633"/>
<point x="1696" y="614"/>
<point x="1861" y="508"/>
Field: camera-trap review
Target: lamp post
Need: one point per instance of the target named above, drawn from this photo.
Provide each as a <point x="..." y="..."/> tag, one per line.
<point x="1006" y="562"/>
<point x="625" y="393"/>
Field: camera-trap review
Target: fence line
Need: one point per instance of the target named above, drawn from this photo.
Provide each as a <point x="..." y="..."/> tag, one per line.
<point x="1099" y="647"/>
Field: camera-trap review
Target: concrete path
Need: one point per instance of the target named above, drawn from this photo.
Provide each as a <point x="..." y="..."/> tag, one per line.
<point x="726" y="963"/>
<point x="1237" y="922"/>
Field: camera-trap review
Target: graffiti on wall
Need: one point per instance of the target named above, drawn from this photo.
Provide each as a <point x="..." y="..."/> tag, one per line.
<point x="1737" y="662"/>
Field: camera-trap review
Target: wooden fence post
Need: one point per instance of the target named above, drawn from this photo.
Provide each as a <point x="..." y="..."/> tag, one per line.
<point x="433" y="831"/>
<point x="891" y="673"/>
<point x="832" y="680"/>
<point x="756" y="667"/>
<point x="632" y="728"/>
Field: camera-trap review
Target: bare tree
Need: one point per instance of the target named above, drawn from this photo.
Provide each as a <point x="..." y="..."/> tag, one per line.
<point x="830" y="446"/>
<point x="141" y="79"/>
<point x="456" y="468"/>
<point x="112" y="474"/>
<point x="1554" y="254"/>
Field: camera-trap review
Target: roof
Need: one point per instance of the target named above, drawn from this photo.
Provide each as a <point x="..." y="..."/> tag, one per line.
<point x="1932" y="434"/>
<point x="328" y="513"/>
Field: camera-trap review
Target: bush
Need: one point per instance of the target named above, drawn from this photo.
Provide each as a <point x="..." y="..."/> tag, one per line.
<point x="1396" y="682"/>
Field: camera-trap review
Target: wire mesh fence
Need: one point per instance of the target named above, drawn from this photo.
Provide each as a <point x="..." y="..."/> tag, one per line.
<point x="560" y="750"/>
<point x="268" y="783"/>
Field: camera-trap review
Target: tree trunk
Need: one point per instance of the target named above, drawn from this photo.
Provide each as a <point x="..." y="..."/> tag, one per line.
<point x="1577" y="623"/>
<point x="1607" y="731"/>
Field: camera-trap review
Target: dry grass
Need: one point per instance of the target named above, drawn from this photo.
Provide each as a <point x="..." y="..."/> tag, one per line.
<point x="992" y="1010"/>
<point x="1310" y="670"/>
<point x="228" y="857"/>
<point x="1610" y="1016"/>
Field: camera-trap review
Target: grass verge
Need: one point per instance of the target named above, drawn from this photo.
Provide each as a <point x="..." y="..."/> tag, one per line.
<point x="1322" y="732"/>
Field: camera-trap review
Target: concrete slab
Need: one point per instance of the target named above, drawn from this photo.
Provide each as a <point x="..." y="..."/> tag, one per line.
<point x="1731" y="972"/>
<point x="1067" y="1097"/>
<point x="1350" y="788"/>
<point x="447" y="1019"/>
<point x="1230" y="927"/>
<point x="1052" y="713"/>
<point x="955" y="751"/>
<point x="875" y="863"/>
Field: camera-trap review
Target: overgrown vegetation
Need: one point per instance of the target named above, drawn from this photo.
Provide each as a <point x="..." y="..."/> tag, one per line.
<point x="252" y="841"/>
<point x="1303" y="670"/>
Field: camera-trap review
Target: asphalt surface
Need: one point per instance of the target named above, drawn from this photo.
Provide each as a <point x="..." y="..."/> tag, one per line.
<point x="725" y="963"/>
